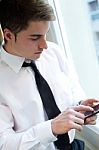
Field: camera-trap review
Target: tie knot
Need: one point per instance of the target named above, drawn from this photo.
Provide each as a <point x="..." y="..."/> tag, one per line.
<point x="25" y="64"/>
<point x="32" y="65"/>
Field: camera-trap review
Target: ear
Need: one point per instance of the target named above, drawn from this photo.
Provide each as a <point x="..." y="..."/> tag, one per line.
<point x="8" y="35"/>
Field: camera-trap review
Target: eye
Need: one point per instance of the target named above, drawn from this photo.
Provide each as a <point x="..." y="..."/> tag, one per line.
<point x="34" y="38"/>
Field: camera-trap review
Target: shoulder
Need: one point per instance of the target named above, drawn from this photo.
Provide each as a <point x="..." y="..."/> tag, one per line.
<point x="55" y="50"/>
<point x="53" y="47"/>
<point x="54" y="53"/>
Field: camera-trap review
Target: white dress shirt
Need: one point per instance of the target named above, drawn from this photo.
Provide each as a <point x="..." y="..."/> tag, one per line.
<point x="23" y="122"/>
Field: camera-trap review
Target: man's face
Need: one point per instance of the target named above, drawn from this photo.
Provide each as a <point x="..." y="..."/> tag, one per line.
<point x="29" y="43"/>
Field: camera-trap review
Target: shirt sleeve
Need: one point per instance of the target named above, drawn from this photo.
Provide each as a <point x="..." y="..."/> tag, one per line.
<point x="36" y="137"/>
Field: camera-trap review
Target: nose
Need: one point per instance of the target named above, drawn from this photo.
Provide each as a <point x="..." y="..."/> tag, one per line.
<point x="43" y="44"/>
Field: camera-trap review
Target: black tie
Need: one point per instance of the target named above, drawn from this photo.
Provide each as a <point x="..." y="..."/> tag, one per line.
<point x="49" y="104"/>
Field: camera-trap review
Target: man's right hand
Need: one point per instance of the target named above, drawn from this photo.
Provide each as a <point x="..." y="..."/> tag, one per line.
<point x="71" y="118"/>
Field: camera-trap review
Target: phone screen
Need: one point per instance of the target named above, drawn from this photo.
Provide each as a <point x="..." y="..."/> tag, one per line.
<point x="91" y="113"/>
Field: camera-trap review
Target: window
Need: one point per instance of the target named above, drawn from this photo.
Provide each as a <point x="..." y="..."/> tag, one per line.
<point x="78" y="26"/>
<point x="75" y="31"/>
<point x="94" y="14"/>
<point x="93" y="5"/>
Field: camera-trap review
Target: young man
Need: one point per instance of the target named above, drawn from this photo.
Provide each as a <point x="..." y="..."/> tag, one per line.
<point x="24" y="123"/>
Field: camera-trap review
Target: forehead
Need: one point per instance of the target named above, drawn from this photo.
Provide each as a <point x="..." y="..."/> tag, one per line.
<point x="38" y="27"/>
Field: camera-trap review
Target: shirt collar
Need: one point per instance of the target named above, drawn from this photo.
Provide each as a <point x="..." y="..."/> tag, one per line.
<point x="14" y="62"/>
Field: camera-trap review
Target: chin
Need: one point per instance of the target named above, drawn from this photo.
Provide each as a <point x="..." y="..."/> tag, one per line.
<point x="35" y="57"/>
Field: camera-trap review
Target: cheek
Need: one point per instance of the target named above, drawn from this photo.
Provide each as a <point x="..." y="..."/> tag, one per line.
<point x="30" y="44"/>
<point x="26" y="46"/>
<point x="23" y="44"/>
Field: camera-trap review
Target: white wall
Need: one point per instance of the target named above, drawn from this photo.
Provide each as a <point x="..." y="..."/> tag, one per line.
<point x="81" y="43"/>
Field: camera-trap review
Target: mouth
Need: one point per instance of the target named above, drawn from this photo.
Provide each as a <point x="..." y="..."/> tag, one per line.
<point x="39" y="52"/>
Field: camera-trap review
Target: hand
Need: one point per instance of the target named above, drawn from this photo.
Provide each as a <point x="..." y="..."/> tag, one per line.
<point x="90" y="102"/>
<point x="69" y="119"/>
<point x="91" y="120"/>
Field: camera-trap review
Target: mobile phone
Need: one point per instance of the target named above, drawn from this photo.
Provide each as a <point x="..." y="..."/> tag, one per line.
<point x="91" y="113"/>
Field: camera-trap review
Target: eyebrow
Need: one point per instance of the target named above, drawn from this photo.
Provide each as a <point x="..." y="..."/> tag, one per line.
<point x="32" y="35"/>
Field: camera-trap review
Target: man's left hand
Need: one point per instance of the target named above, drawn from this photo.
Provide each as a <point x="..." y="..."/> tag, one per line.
<point x="90" y="102"/>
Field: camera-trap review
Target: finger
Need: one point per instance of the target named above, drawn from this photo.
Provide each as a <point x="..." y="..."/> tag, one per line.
<point x="90" y="101"/>
<point x="79" y="121"/>
<point x="93" y="117"/>
<point x="93" y="100"/>
<point x="90" y="120"/>
<point x="79" y="115"/>
<point x="77" y="127"/>
<point x="91" y="123"/>
<point x="83" y="108"/>
<point x="72" y="113"/>
<point x="79" y="118"/>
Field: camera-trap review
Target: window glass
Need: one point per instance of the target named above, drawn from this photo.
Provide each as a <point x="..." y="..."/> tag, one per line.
<point x="79" y="29"/>
<point x="94" y="16"/>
